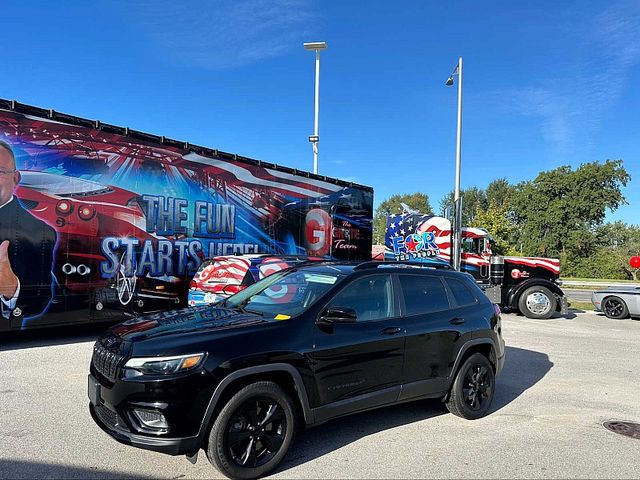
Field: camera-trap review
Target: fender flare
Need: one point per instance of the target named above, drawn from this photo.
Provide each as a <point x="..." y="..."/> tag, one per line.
<point x="463" y="350"/>
<point x="245" y="372"/>
<point x="514" y="294"/>
<point x="466" y="346"/>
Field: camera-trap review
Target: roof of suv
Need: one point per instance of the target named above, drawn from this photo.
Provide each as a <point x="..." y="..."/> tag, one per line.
<point x="346" y="268"/>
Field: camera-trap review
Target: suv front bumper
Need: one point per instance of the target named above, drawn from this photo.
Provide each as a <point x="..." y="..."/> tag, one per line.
<point x="115" y="426"/>
<point x="170" y="446"/>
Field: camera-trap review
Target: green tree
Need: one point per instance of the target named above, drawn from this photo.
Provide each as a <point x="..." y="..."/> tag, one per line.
<point x="416" y="201"/>
<point x="499" y="192"/>
<point x="618" y="242"/>
<point x="557" y="213"/>
<point x="495" y="220"/>
<point x="473" y="198"/>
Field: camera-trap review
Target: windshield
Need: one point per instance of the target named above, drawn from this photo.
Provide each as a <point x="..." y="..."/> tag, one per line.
<point x="60" y="184"/>
<point x="479" y="246"/>
<point x="288" y="292"/>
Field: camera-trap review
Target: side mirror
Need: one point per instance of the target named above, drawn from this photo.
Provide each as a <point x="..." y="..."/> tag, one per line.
<point x="338" y="315"/>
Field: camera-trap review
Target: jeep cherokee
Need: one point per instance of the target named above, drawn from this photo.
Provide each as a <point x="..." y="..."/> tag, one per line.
<point x="298" y="348"/>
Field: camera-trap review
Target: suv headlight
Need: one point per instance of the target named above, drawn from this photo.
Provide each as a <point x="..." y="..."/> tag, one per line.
<point x="164" y="365"/>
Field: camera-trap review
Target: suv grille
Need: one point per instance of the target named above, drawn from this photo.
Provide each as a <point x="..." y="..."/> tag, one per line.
<point x="105" y="362"/>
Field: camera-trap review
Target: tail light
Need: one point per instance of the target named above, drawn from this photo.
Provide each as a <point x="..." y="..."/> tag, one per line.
<point x="64" y="207"/>
<point x="86" y="212"/>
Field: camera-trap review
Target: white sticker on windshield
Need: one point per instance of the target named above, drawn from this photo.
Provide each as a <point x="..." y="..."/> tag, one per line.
<point x="313" y="278"/>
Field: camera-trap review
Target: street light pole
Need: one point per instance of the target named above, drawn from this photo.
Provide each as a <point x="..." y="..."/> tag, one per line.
<point x="315" y="138"/>
<point x="457" y="223"/>
<point x="315" y="114"/>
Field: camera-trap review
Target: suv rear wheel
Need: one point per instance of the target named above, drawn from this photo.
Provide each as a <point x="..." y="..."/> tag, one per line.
<point x="252" y="432"/>
<point x="473" y="388"/>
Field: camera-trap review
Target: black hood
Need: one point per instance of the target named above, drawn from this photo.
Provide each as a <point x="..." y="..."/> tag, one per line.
<point x="187" y="320"/>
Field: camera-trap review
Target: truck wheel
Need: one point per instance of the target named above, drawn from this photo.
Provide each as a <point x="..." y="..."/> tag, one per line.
<point x="252" y="432"/>
<point x="537" y="302"/>
<point x="472" y="389"/>
<point x="614" y="307"/>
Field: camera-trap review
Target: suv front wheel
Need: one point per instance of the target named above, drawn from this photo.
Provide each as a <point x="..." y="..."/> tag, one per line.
<point x="472" y="389"/>
<point x="252" y="432"/>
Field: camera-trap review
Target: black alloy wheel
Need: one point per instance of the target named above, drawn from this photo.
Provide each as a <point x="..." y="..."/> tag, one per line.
<point x="253" y="431"/>
<point x="477" y="387"/>
<point x="256" y="432"/>
<point x="473" y="388"/>
<point x="614" y="307"/>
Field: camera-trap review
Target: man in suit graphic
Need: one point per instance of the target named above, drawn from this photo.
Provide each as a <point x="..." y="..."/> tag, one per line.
<point x="26" y="252"/>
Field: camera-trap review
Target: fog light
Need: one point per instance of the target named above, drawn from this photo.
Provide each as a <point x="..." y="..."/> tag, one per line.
<point x="152" y="420"/>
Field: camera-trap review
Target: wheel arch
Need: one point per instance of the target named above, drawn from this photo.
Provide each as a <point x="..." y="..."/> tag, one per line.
<point x="283" y="374"/>
<point x="485" y="346"/>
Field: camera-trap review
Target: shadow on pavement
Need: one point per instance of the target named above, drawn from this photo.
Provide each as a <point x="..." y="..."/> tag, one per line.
<point x="316" y="442"/>
<point x="44" y="337"/>
<point x="19" y="469"/>
<point x="522" y="370"/>
<point x="556" y="315"/>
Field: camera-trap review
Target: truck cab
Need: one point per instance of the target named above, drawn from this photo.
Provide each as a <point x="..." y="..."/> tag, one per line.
<point x="529" y="285"/>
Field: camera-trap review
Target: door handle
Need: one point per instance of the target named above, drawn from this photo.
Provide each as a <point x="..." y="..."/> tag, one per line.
<point x="390" y="330"/>
<point x="456" y="321"/>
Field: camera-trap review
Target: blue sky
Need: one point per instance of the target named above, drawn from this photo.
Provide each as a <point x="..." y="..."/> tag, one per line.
<point x="546" y="83"/>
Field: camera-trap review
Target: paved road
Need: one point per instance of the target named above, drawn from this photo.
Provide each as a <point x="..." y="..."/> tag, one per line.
<point x="563" y="377"/>
<point x="578" y="295"/>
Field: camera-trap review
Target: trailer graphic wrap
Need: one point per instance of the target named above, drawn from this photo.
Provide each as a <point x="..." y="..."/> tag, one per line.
<point x="119" y="223"/>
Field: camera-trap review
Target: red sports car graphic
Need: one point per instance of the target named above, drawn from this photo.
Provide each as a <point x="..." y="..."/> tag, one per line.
<point x="84" y="212"/>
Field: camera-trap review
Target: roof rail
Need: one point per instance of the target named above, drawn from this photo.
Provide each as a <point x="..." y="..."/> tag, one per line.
<point x="376" y="264"/>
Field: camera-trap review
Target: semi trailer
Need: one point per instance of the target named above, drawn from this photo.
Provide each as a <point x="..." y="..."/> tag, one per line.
<point x="100" y="222"/>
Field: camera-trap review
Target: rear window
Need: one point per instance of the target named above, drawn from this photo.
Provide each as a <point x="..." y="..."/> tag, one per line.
<point x="461" y="292"/>
<point x="423" y="294"/>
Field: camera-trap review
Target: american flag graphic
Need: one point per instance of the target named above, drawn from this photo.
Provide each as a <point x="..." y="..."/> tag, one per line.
<point x="400" y="226"/>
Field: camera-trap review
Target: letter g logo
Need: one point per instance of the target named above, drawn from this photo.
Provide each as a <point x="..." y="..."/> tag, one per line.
<point x="318" y="232"/>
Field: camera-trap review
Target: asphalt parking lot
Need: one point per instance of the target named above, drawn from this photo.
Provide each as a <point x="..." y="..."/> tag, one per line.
<point x="563" y="377"/>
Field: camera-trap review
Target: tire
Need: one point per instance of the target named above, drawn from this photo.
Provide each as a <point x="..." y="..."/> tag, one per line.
<point x="241" y="444"/>
<point x="537" y="302"/>
<point x="473" y="388"/>
<point x="615" y="307"/>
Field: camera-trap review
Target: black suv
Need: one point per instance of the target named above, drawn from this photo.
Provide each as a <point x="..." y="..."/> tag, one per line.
<point x="299" y="347"/>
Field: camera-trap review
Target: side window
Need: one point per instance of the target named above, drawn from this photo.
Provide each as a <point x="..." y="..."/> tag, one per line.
<point x="468" y="245"/>
<point x="423" y="294"/>
<point x="371" y="297"/>
<point x="463" y="294"/>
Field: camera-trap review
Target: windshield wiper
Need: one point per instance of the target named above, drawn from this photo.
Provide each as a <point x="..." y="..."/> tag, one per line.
<point x="241" y="306"/>
<point x="222" y="303"/>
